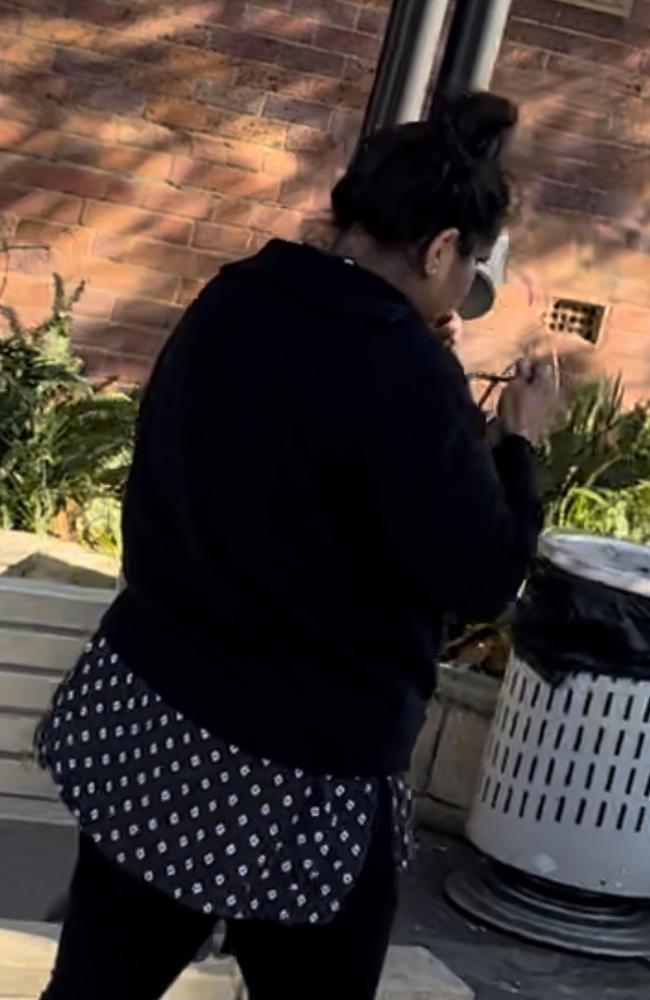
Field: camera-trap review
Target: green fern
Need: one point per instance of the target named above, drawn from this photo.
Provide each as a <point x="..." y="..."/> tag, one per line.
<point x="65" y="444"/>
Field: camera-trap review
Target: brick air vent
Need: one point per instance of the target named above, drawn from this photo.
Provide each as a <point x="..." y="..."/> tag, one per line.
<point x="581" y="318"/>
<point x="619" y="8"/>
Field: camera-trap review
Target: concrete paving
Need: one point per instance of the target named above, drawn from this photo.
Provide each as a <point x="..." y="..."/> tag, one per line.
<point x="416" y="974"/>
<point x="494" y="965"/>
<point x="27" y="953"/>
<point x="35" y="861"/>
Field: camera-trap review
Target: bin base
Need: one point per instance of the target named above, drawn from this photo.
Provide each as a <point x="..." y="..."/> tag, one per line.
<point x="550" y="914"/>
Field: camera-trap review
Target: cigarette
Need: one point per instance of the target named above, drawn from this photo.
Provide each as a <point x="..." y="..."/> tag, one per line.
<point x="486" y="377"/>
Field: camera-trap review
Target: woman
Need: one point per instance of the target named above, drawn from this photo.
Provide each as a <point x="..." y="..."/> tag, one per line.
<point x="311" y="493"/>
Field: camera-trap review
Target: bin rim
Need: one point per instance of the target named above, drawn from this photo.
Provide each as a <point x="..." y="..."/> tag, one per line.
<point x="615" y="563"/>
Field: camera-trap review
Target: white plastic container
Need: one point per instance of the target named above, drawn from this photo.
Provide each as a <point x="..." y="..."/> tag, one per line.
<point x="564" y="787"/>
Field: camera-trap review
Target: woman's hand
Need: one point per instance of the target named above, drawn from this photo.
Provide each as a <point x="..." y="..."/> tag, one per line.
<point x="530" y="403"/>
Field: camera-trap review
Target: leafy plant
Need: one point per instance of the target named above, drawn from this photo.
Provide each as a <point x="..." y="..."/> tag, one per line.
<point x="594" y="477"/>
<point x="65" y="444"/>
<point x="595" y="467"/>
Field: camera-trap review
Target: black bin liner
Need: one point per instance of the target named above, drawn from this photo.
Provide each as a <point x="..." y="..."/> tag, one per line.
<point x="565" y="624"/>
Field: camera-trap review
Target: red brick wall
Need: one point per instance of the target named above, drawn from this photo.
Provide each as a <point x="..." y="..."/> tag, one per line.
<point x="143" y="143"/>
<point x="583" y="82"/>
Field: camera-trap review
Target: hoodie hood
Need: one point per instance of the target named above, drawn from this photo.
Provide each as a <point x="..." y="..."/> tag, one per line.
<point x="330" y="282"/>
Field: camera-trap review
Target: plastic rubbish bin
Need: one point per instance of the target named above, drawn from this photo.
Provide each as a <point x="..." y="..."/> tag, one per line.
<point x="563" y="796"/>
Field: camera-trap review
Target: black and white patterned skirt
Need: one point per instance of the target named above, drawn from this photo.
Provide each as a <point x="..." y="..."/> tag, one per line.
<point x="216" y="829"/>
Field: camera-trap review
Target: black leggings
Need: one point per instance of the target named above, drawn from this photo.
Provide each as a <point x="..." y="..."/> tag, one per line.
<point x="122" y="938"/>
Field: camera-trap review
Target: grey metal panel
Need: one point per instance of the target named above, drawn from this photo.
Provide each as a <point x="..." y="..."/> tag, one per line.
<point x="45" y="812"/>
<point x="23" y="778"/>
<point x="43" y="628"/>
<point x="17" y="732"/>
<point x="53" y="606"/>
<point x="27" y="691"/>
<point x="23" y="647"/>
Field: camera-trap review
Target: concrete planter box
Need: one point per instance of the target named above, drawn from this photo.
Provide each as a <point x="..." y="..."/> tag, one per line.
<point x="448" y="753"/>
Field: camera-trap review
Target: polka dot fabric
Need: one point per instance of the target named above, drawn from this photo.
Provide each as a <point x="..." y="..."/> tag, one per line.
<point x="214" y="828"/>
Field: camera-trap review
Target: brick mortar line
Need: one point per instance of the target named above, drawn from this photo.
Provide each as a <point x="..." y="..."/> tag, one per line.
<point x="540" y="71"/>
<point x="132" y="28"/>
<point x="238" y="63"/>
<point x="88" y="200"/>
<point x="574" y="32"/>
<point x="265" y="93"/>
<point x="151" y="182"/>
<point x="545" y="210"/>
<point x="541" y="175"/>
<point x="125" y="234"/>
<point x="588" y="139"/>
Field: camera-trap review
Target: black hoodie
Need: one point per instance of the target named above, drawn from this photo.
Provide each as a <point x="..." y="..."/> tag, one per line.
<point x="310" y="494"/>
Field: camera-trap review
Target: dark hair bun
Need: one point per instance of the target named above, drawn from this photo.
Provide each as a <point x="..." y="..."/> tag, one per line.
<point x="410" y="182"/>
<point x="476" y="123"/>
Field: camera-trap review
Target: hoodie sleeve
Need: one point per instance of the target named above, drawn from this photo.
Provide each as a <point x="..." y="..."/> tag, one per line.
<point x="459" y="522"/>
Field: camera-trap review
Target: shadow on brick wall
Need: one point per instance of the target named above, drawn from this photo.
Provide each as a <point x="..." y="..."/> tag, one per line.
<point x="142" y="145"/>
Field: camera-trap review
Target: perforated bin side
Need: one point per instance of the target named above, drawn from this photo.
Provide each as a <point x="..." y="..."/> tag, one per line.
<point x="564" y="787"/>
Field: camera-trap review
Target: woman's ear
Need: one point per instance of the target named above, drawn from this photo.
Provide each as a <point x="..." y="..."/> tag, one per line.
<point x="439" y="250"/>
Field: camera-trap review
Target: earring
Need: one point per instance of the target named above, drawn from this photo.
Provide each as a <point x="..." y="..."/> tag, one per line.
<point x="432" y="270"/>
